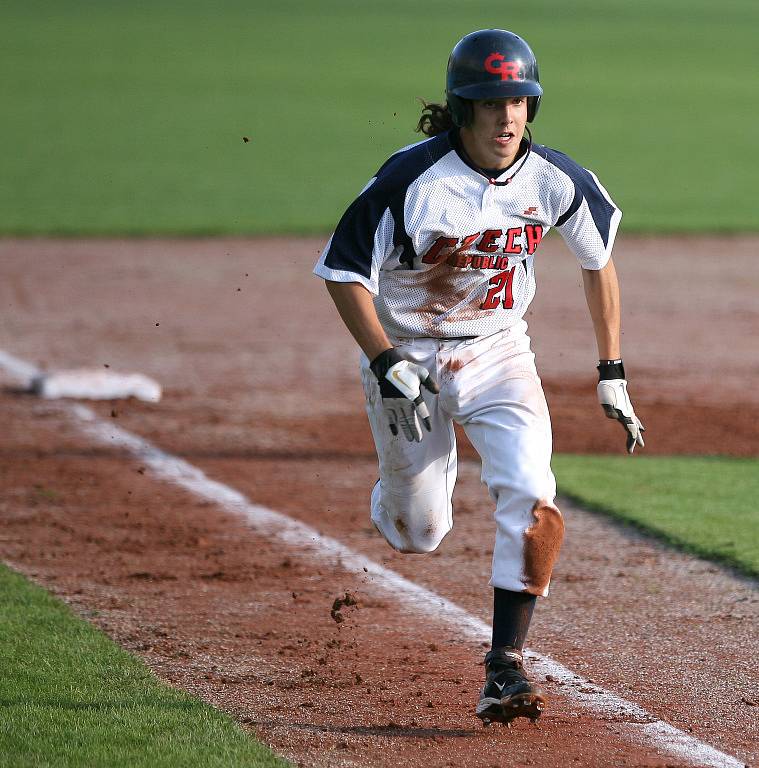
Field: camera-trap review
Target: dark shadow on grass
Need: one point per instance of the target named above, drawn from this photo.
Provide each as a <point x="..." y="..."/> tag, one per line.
<point x="732" y="566"/>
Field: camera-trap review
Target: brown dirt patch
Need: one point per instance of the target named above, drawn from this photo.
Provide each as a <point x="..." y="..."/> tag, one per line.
<point x="542" y="544"/>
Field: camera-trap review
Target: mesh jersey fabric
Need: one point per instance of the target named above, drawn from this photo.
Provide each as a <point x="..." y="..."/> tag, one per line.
<point x="448" y="254"/>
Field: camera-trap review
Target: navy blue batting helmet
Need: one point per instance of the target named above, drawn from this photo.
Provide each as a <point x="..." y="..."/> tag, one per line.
<point x="491" y="64"/>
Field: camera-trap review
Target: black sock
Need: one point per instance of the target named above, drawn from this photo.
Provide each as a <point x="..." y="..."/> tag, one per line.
<point x="512" y="612"/>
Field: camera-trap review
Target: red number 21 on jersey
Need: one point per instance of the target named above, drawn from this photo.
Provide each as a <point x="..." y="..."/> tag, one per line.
<point x="501" y="282"/>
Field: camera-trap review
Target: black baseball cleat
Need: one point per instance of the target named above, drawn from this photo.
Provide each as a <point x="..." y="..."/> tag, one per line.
<point x="508" y="693"/>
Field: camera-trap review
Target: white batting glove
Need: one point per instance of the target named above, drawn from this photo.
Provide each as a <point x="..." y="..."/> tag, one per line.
<point x="400" y="383"/>
<point x="612" y="394"/>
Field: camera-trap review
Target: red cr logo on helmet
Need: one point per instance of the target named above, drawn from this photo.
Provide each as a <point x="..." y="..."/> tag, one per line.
<point x="508" y="70"/>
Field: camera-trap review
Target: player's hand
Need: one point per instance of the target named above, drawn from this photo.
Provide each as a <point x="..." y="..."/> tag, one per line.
<point x="612" y="394"/>
<point x="400" y="383"/>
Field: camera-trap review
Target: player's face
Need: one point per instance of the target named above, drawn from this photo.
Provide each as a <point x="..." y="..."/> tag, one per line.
<point x="492" y="140"/>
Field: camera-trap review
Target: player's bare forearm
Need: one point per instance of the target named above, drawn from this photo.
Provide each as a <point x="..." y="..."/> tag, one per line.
<point x="356" y="308"/>
<point x="602" y="294"/>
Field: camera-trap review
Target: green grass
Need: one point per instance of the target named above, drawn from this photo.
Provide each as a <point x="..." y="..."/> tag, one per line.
<point x="708" y="506"/>
<point x="129" y="117"/>
<point x="70" y="697"/>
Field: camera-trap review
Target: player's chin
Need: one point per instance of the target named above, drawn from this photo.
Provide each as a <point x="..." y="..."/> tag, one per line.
<point x="504" y="151"/>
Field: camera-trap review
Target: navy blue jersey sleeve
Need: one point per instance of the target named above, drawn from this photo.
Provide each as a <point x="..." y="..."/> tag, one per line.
<point x="589" y="219"/>
<point x="353" y="243"/>
<point x="373" y="226"/>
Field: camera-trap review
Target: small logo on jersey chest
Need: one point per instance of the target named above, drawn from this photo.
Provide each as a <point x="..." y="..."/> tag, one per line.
<point x="530" y="211"/>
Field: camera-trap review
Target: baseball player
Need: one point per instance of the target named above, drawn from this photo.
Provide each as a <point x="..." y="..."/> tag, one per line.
<point x="432" y="270"/>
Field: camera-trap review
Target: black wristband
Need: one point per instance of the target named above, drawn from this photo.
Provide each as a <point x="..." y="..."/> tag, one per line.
<point x="610" y="369"/>
<point x="384" y="362"/>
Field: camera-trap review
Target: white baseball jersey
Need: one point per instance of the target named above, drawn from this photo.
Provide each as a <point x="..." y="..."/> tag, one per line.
<point x="448" y="253"/>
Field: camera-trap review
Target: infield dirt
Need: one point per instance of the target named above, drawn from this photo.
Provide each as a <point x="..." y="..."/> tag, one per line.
<point x="261" y="392"/>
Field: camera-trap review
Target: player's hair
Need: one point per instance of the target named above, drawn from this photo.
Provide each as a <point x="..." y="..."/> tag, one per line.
<point x="435" y="119"/>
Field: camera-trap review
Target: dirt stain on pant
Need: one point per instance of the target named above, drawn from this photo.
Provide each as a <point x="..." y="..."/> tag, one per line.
<point x="542" y="542"/>
<point x="400" y="526"/>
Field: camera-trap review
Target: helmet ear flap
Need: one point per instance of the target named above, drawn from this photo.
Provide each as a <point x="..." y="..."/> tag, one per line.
<point x="460" y="109"/>
<point x="533" y="104"/>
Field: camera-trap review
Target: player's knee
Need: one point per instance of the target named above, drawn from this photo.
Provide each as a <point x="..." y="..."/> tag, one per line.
<point x="412" y="534"/>
<point x="542" y="542"/>
<point x="414" y="523"/>
<point x="426" y="537"/>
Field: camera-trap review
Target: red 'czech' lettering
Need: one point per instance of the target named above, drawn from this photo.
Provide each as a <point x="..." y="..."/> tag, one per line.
<point x="534" y="234"/>
<point x="508" y="70"/>
<point x="439" y="250"/>
<point x="455" y="257"/>
<point x="511" y="246"/>
<point x="454" y="251"/>
<point x="488" y="243"/>
<point x="466" y="242"/>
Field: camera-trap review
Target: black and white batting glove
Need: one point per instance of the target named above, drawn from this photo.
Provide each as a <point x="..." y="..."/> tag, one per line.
<point x="400" y="384"/>
<point x="612" y="394"/>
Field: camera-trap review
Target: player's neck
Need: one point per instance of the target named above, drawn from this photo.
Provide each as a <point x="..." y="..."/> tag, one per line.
<point x="483" y="158"/>
<point x="490" y="166"/>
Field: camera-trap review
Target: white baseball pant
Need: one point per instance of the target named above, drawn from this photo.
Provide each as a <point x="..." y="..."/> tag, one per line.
<point x="490" y="387"/>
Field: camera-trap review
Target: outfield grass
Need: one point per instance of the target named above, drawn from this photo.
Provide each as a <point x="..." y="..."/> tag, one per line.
<point x="70" y="697"/>
<point x="129" y="117"/>
<point x="708" y="506"/>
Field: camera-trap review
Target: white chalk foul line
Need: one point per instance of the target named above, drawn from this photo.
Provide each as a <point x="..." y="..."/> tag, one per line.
<point x="638" y="724"/>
